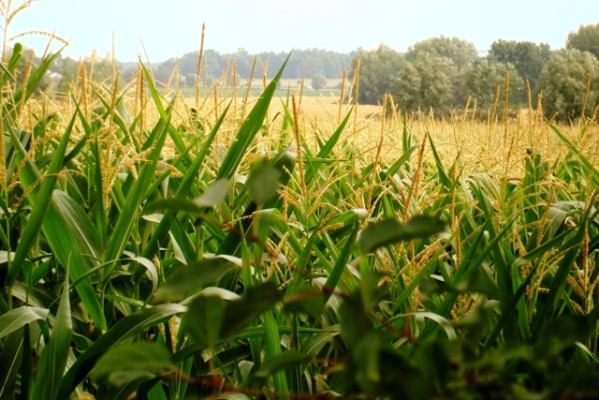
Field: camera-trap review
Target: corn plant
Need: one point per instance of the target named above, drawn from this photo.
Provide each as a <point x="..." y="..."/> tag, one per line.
<point x="151" y="257"/>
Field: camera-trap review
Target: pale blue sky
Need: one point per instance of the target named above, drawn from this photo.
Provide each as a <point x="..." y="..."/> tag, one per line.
<point x="170" y="28"/>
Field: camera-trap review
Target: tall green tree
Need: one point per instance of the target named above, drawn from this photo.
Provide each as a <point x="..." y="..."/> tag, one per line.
<point x="483" y="78"/>
<point x="319" y="81"/>
<point x="378" y="69"/>
<point x="564" y="82"/>
<point x="527" y="57"/>
<point x="426" y="83"/>
<point x="585" y="39"/>
<point x="461" y="52"/>
<point x="406" y="89"/>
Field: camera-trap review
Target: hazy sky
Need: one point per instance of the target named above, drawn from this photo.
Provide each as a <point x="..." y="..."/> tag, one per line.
<point x="171" y="28"/>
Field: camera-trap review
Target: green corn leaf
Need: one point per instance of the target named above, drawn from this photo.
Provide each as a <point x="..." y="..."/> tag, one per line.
<point x="214" y="195"/>
<point x="327" y="149"/>
<point x="287" y="359"/>
<point x="390" y="231"/>
<point x="54" y="356"/>
<point x="256" y="300"/>
<point x="78" y="223"/>
<point x="150" y="268"/>
<point x="173" y="205"/>
<point x="519" y="294"/>
<point x="424" y="273"/>
<point x="499" y="258"/>
<point x="124" y="329"/>
<point x="227" y="315"/>
<point x="249" y="129"/>
<point x="72" y="237"/>
<point x="40" y="201"/>
<point x="440" y="169"/>
<point x="471" y="261"/>
<point x="24" y="92"/>
<point x="100" y="215"/>
<point x="174" y="134"/>
<point x="17" y="318"/>
<point x="122" y="229"/>
<point x="342" y="259"/>
<point x="135" y="362"/>
<point x="204" y="319"/>
<point x="193" y="277"/>
<point x="63" y="224"/>
<point x="263" y="182"/>
<point x="284" y="163"/>
<point x="190" y="177"/>
<point x="305" y="298"/>
<point x="273" y="350"/>
<point x="590" y="168"/>
<point x="392" y="170"/>
<point x="15" y="57"/>
<point x="11" y="357"/>
<point x="549" y="307"/>
<point x="120" y="116"/>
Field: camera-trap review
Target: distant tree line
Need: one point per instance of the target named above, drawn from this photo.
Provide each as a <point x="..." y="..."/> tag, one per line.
<point x="312" y="63"/>
<point x="441" y="74"/>
<point x="317" y="65"/>
<point x="444" y="74"/>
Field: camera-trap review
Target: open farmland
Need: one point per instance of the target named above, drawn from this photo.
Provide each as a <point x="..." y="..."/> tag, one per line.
<point x="498" y="146"/>
<point x="159" y="246"/>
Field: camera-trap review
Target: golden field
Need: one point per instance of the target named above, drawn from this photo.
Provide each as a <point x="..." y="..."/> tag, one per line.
<point x="497" y="147"/>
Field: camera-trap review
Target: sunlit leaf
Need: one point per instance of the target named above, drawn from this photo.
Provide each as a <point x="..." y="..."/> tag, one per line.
<point x="389" y="231"/>
<point x="151" y="269"/>
<point x="192" y="277"/>
<point x="5" y="256"/>
<point x="19" y="317"/>
<point x="214" y="194"/>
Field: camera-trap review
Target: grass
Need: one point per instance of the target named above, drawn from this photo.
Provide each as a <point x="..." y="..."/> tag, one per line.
<point x="287" y="247"/>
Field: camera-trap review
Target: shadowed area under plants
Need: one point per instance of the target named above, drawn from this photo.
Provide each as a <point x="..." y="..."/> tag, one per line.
<point x="234" y="255"/>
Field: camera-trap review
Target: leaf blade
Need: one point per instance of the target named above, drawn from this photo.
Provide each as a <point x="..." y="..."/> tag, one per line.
<point x="390" y="231"/>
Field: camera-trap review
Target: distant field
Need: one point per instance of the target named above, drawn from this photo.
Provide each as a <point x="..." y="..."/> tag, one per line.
<point x="475" y="146"/>
<point x="286" y="86"/>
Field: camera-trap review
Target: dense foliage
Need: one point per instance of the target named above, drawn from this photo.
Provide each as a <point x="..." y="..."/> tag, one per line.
<point x="170" y="260"/>
<point x="528" y="59"/>
<point x="586" y="38"/>
<point x="448" y="75"/>
<point x="378" y="69"/>
<point x="485" y="81"/>
<point x="570" y="82"/>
